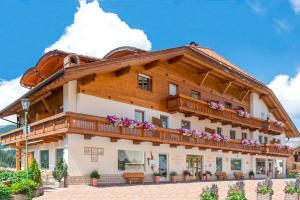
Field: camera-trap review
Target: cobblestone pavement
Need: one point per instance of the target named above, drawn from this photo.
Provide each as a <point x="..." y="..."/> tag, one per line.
<point x="178" y="191"/>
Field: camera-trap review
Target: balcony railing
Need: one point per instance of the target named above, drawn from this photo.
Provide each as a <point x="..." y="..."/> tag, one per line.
<point x="52" y="128"/>
<point x="189" y="105"/>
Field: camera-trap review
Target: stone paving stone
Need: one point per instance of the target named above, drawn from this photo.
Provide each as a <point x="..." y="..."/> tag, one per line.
<point x="178" y="191"/>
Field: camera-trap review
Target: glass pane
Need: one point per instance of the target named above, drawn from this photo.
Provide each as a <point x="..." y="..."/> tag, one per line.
<point x="130" y="160"/>
<point x="260" y="166"/>
<point x="59" y="154"/>
<point x="139" y="116"/>
<point x="232" y="135"/>
<point x="219" y="166"/>
<point x="172" y="89"/>
<point x="244" y="136"/>
<point x="194" y="164"/>
<point x="140" y="82"/>
<point x="164" y="121"/>
<point x="195" y="94"/>
<point x="219" y="130"/>
<point x="163" y="165"/>
<point x="44" y="160"/>
<point x="185" y="124"/>
<point x="236" y="164"/>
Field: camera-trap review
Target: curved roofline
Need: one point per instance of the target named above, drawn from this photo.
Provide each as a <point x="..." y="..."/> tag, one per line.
<point x="123" y="48"/>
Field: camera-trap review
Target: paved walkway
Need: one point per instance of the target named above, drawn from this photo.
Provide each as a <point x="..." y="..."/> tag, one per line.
<point x="178" y="191"/>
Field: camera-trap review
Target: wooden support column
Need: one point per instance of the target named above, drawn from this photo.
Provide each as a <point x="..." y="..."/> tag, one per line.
<point x="18" y="157"/>
<point x="204" y="78"/>
<point x="227" y="87"/>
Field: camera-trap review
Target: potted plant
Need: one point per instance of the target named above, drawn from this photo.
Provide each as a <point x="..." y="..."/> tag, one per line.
<point x="59" y="173"/>
<point x="35" y="175"/>
<point x="206" y="176"/>
<point x="291" y="190"/>
<point x="209" y="193"/>
<point x="251" y="175"/>
<point x="156" y="177"/>
<point x="264" y="190"/>
<point x="95" y="176"/>
<point x="23" y="189"/>
<point x="186" y="175"/>
<point x="236" y="191"/>
<point x="173" y="176"/>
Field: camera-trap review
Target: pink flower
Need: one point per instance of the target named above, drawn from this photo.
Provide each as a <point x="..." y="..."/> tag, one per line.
<point x="148" y="126"/>
<point x="279" y="123"/>
<point x="216" y="136"/>
<point x="215" y="105"/>
<point x="206" y="135"/>
<point x="196" y="133"/>
<point x="185" y="131"/>
<point x="277" y="146"/>
<point x="114" y="120"/>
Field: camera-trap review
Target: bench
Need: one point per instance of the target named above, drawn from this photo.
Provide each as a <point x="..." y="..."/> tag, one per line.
<point x="136" y="176"/>
<point x="238" y="175"/>
<point x="221" y="175"/>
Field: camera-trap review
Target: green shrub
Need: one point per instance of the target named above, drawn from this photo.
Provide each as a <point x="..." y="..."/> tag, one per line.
<point x="265" y="187"/>
<point x="95" y="174"/>
<point x="24" y="186"/>
<point x="173" y="173"/>
<point x="12" y="176"/>
<point x="210" y="193"/>
<point x="4" y="192"/>
<point x="290" y="188"/>
<point x="236" y="195"/>
<point x="35" y="172"/>
<point x="60" y="171"/>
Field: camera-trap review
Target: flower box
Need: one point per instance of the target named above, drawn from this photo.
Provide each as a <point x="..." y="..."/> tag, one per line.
<point x="291" y="196"/>
<point x="264" y="196"/>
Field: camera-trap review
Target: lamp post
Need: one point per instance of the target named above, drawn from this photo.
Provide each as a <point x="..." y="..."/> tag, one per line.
<point x="25" y="106"/>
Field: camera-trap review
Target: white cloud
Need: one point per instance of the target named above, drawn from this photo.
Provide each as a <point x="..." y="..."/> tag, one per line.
<point x="95" y="32"/>
<point x="257" y="7"/>
<point x="9" y="92"/>
<point x="282" y="25"/>
<point x="287" y="89"/>
<point x="295" y="5"/>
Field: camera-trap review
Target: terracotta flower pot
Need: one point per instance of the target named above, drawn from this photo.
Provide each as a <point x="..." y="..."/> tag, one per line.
<point x="187" y="178"/>
<point x="95" y="181"/>
<point x="156" y="179"/>
<point x="264" y="197"/>
<point x="291" y="197"/>
<point x="173" y="179"/>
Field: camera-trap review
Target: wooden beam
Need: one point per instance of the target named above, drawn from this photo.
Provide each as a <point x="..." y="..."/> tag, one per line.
<point x="87" y="79"/>
<point x="214" y="120"/>
<point x="204" y="78"/>
<point x="136" y="142"/>
<point x="112" y="139"/>
<point x="202" y="117"/>
<point x="188" y="114"/>
<point x="40" y="98"/>
<point x="47" y="107"/>
<point x="18" y="156"/>
<point x="122" y="71"/>
<point x="188" y="147"/>
<point x="155" y="144"/>
<point x="261" y="96"/>
<point x="175" y="59"/>
<point x="245" y="95"/>
<point x="151" y="65"/>
<point x="173" y="145"/>
<point x="227" y="87"/>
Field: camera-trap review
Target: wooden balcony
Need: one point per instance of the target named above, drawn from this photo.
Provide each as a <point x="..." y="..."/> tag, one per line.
<point x="190" y="106"/>
<point x="54" y="128"/>
<point x="273" y="151"/>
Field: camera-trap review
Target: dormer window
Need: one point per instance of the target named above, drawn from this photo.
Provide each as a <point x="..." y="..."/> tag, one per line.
<point x="144" y="82"/>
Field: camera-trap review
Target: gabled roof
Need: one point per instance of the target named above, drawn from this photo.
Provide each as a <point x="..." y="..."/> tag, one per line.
<point x="123" y="57"/>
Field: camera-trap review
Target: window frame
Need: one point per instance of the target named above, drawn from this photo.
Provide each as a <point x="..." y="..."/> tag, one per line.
<point x="265" y="166"/>
<point x="241" y="161"/>
<point x="234" y="132"/>
<point x="220" y="160"/>
<point x="188" y="122"/>
<point x="198" y="94"/>
<point x="41" y="163"/>
<point x="219" y="128"/>
<point x="149" y="88"/>
<point x="161" y="119"/>
<point x="169" y="89"/>
<point x="244" y="135"/>
<point x="143" y="115"/>
<point x="136" y="151"/>
<point x="261" y="139"/>
<point x="56" y="153"/>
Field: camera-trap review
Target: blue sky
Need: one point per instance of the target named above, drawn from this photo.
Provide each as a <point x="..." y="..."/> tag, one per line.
<point x="262" y="37"/>
<point x="251" y="39"/>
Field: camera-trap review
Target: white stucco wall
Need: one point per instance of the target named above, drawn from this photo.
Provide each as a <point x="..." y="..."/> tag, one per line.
<point x="258" y="106"/>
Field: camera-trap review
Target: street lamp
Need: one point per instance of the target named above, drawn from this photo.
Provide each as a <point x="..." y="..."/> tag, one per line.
<point x="25" y="107"/>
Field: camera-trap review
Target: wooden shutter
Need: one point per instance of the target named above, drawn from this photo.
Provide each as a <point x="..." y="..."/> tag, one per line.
<point x="156" y="122"/>
<point x="209" y="130"/>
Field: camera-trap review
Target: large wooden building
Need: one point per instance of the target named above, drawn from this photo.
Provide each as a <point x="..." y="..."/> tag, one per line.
<point x="209" y="115"/>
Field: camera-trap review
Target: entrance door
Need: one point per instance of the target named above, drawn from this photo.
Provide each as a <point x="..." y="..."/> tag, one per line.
<point x="270" y="168"/>
<point x="163" y="166"/>
<point x="194" y="165"/>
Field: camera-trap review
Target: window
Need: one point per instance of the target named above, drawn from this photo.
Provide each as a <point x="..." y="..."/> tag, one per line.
<point x="244" y="136"/>
<point x="219" y="130"/>
<point x="266" y="140"/>
<point x="262" y="116"/>
<point x="232" y="135"/>
<point x="139" y="115"/>
<point x="144" y="82"/>
<point x="195" y="94"/>
<point x="164" y="121"/>
<point x="130" y="160"/>
<point x="260" y="166"/>
<point x="59" y="154"/>
<point x="260" y="139"/>
<point x="185" y="124"/>
<point x="228" y="105"/>
<point x="194" y="164"/>
<point x="219" y="166"/>
<point x="44" y="159"/>
<point x="172" y="89"/>
<point x="236" y="164"/>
